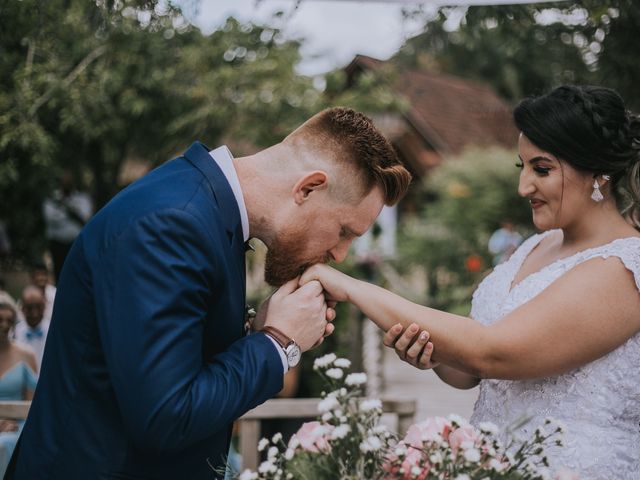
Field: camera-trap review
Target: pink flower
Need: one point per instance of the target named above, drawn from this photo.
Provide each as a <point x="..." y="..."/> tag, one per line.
<point x="566" y="474"/>
<point x="413" y="459"/>
<point x="431" y="427"/>
<point x="312" y="437"/>
<point x="465" y="433"/>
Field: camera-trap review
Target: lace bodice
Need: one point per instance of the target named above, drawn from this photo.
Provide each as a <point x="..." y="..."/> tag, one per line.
<point x="599" y="403"/>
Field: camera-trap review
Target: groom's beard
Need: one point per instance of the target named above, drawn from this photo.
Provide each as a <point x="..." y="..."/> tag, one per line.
<point x="285" y="259"/>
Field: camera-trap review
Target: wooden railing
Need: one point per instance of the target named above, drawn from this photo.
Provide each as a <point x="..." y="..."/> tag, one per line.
<point x="250" y="423"/>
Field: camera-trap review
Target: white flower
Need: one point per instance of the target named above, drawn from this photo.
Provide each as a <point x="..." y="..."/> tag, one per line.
<point x="248" y="475"/>
<point x="294" y="442"/>
<point x="436" y="458"/>
<point x="496" y="465"/>
<point x="343" y="419"/>
<point x="401" y="451"/>
<point x="267" y="467"/>
<point x="472" y="455"/>
<point x="288" y="454"/>
<point x="415" y="470"/>
<point x="453" y="418"/>
<point x="342" y="363"/>
<point x="289" y="476"/>
<point x="335" y="373"/>
<point x="370" y="404"/>
<point x="379" y="429"/>
<point x="262" y="444"/>
<point x="328" y="404"/>
<point x="340" y="431"/>
<point x="276" y="438"/>
<point x="324" y="361"/>
<point x="356" y="379"/>
<point x="463" y="476"/>
<point x="272" y="453"/>
<point x="343" y="391"/>
<point x="370" y="444"/>
<point x="326" y="416"/>
<point x="466" y="445"/>
<point x="488" y="427"/>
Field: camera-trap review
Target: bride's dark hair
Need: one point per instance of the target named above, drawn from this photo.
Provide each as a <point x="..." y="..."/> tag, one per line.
<point x="589" y="128"/>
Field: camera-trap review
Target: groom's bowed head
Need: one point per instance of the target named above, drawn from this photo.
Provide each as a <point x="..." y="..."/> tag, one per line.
<point x="311" y="195"/>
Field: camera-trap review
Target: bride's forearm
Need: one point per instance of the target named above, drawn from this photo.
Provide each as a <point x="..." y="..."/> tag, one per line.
<point x="460" y="341"/>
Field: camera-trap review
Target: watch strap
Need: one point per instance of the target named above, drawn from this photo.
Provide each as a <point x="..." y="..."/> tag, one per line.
<point x="278" y="335"/>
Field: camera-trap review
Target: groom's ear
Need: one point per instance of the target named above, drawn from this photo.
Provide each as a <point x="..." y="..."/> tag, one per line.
<point x="315" y="181"/>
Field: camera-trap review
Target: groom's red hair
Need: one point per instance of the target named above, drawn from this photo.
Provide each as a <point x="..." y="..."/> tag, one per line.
<point x="351" y="140"/>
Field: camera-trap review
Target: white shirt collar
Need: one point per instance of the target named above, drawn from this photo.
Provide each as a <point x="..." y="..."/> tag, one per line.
<point x="224" y="159"/>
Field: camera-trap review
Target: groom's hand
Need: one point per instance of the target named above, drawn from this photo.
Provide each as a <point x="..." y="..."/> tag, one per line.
<point x="301" y="313"/>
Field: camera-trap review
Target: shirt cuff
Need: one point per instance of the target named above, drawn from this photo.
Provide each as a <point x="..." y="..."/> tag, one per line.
<point x="283" y="357"/>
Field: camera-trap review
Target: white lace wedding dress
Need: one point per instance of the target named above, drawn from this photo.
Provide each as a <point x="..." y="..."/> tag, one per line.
<point x="599" y="403"/>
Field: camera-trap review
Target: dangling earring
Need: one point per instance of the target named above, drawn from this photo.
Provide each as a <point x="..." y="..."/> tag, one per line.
<point x="597" y="196"/>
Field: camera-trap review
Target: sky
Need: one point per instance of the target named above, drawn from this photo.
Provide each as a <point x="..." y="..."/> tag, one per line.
<point x="333" y="31"/>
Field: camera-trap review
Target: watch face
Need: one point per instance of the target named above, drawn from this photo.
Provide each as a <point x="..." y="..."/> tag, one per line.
<point x="293" y="355"/>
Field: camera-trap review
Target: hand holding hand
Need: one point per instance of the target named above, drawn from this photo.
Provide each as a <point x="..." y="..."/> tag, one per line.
<point x="412" y="346"/>
<point x="301" y="313"/>
<point x="335" y="283"/>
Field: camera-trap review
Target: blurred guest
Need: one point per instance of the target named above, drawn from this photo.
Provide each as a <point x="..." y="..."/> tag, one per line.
<point x="40" y="278"/>
<point x="503" y="242"/>
<point x="65" y="213"/>
<point x="18" y="372"/>
<point x="32" y="330"/>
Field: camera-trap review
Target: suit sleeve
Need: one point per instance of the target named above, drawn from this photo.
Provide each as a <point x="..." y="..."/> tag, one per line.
<point x="152" y="288"/>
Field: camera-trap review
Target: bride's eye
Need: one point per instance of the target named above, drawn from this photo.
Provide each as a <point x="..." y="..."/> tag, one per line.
<point x="541" y="170"/>
<point x="520" y="165"/>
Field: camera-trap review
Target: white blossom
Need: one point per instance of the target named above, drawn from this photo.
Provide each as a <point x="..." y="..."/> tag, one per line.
<point x="342" y="363"/>
<point x="335" y="373"/>
<point x="248" y="475"/>
<point x="436" y="457"/>
<point x="453" y="418"/>
<point x="370" y="404"/>
<point x="267" y="467"/>
<point x="326" y="416"/>
<point x="340" y="431"/>
<point x="328" y="404"/>
<point x="276" y="438"/>
<point x="294" y="442"/>
<point x="488" y="427"/>
<point x="324" y="361"/>
<point x="401" y="451"/>
<point x="288" y="454"/>
<point x="272" y="453"/>
<point x="415" y="470"/>
<point x="496" y="465"/>
<point x="466" y="445"/>
<point x="262" y="444"/>
<point x="463" y="476"/>
<point x="371" y="444"/>
<point x="472" y="455"/>
<point x="356" y="379"/>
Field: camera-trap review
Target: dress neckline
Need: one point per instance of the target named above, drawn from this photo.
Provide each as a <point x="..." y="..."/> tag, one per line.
<point x="518" y="265"/>
<point x="11" y="368"/>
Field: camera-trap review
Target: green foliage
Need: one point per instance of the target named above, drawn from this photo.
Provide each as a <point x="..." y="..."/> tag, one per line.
<point x="527" y="49"/>
<point x="473" y="195"/>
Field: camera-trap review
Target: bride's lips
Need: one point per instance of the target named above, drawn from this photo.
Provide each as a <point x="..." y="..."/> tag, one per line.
<point x="535" y="203"/>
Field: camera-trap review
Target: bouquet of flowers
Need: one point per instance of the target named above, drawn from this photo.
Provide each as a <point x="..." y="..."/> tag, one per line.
<point x="347" y="442"/>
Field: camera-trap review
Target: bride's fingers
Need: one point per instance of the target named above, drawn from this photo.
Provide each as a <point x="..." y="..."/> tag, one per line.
<point x="414" y="352"/>
<point x="331" y="314"/>
<point x="391" y="335"/>
<point x="425" y="359"/>
<point x="405" y="340"/>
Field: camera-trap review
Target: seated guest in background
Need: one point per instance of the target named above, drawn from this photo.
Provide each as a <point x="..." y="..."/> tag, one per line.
<point x="40" y="278"/>
<point x="31" y="330"/>
<point x="17" y="378"/>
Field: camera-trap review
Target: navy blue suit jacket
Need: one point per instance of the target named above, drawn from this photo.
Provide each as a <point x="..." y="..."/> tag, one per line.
<point x="146" y="364"/>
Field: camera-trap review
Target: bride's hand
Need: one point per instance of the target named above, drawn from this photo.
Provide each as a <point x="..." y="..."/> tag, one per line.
<point x="412" y="346"/>
<point x="335" y="283"/>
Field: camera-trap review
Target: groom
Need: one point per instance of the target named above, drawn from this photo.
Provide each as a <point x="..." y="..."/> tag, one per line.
<point x="147" y="363"/>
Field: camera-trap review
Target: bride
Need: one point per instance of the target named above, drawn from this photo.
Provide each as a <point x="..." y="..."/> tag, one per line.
<point x="555" y="330"/>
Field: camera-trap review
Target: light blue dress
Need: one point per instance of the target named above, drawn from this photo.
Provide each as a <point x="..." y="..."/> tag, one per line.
<point x="13" y="384"/>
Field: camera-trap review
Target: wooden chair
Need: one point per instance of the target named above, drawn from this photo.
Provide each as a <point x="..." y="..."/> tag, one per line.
<point x="302" y="408"/>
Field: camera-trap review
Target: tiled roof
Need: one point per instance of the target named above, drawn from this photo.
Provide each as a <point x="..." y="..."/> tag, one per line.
<point x="449" y="112"/>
